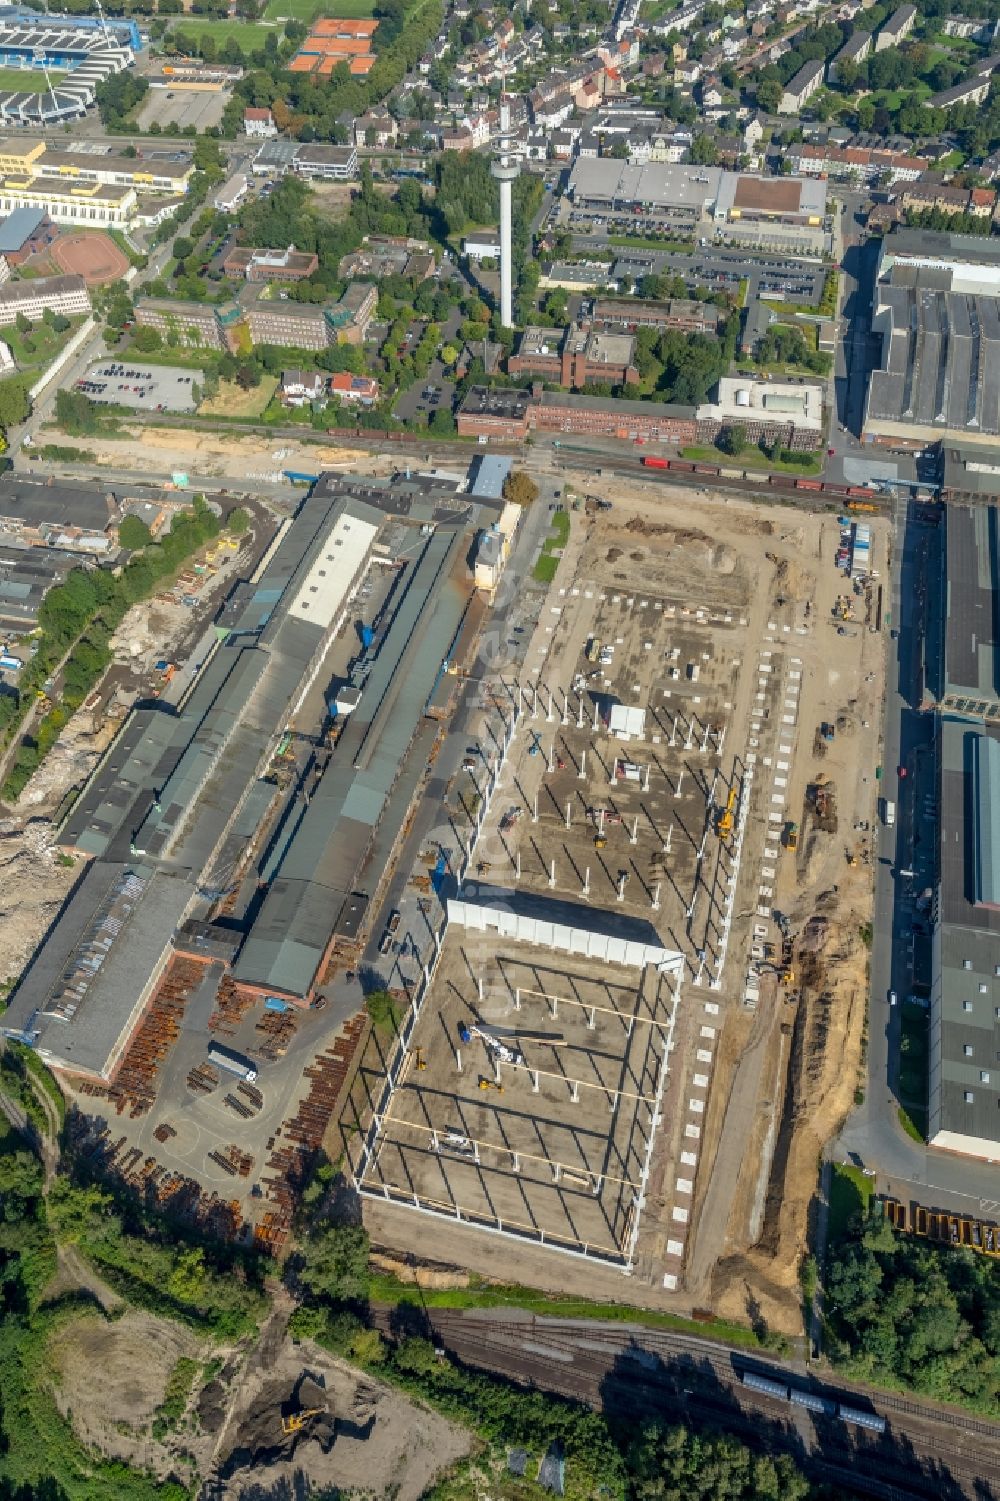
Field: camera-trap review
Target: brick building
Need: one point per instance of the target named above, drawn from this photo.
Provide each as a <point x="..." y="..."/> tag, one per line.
<point x="244" y="263"/>
<point x="575" y="356"/>
<point x="676" y="312"/>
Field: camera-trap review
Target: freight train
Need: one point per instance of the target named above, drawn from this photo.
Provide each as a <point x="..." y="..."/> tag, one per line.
<point x="858" y="497"/>
<point x="825" y="1407"/>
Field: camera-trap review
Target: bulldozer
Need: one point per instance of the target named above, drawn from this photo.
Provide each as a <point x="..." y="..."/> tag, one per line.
<point x="296" y="1421"/>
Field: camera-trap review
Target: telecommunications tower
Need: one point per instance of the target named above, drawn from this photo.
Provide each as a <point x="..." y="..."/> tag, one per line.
<point x="506" y="170"/>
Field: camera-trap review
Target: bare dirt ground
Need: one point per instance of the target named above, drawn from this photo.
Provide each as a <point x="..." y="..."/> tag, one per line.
<point x="33" y="886"/>
<point x="366" y="1438"/>
<point x="218" y="455"/>
<point x="135" y="1357"/>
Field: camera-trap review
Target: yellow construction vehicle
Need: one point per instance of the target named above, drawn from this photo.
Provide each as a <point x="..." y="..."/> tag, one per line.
<point x="491" y="1084"/>
<point x="296" y="1421"/>
<point x="726" y="817"/>
<point x="599" y="841"/>
<point x="419" y="1061"/>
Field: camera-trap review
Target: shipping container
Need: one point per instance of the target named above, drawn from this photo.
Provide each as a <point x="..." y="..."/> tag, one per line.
<point x="652" y="462"/>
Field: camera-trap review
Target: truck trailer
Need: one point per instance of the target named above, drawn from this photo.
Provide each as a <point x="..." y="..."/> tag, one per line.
<point x="233" y="1063"/>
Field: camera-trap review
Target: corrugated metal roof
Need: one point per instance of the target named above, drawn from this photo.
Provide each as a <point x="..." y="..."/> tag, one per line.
<point x="334" y="833"/>
<point x="986" y="795"/>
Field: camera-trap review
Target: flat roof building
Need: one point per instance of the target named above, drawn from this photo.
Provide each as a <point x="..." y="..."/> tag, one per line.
<point x="182" y="791"/>
<point x="970" y="677"/>
<point x="964" y="1082"/>
<point x="937" y="309"/>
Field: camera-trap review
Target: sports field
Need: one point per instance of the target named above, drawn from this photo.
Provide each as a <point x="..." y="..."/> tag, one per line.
<point x="28" y="80"/>
<point x="248" y="34"/>
<point x="307" y="10"/>
<point x="93" y="256"/>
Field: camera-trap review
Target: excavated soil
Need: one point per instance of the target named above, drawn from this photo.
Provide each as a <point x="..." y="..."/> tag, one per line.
<point x="363" y="1436"/>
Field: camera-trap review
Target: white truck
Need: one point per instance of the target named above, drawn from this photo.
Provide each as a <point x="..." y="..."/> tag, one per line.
<point x="888" y="813"/>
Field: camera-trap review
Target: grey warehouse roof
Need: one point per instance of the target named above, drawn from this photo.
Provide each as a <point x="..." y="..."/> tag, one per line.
<point x="971" y="666"/>
<point x="35" y="503"/>
<point x="19" y="226"/>
<point x="940" y="360"/>
<point x="965" y="1026"/>
<point x="90" y="977"/>
<point x="322" y="859"/>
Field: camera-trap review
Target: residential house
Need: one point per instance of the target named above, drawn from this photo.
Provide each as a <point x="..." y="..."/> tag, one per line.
<point x="357" y="390"/>
<point x="897" y="28"/>
<point x="302" y="387"/>
<point x="807" y="80"/>
<point x="259" y="124"/>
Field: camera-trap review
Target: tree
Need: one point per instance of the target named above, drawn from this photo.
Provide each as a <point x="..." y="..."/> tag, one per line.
<point x="146" y="340"/>
<point x="769" y="93"/>
<point x="238" y="521"/>
<point x="187" y="1280"/>
<point x="732" y="440"/>
<point x="520" y="488"/>
<point x="336" y="1263"/>
<point x="15" y="403"/>
<point x="704" y="152"/>
<point x="22" y="324"/>
<point x="133" y="533"/>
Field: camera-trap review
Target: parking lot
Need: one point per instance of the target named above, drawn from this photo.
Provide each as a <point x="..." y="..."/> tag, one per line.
<point x="723" y="270"/>
<point x="182" y="107"/>
<point x="527" y="1097"/>
<point x="149" y="388"/>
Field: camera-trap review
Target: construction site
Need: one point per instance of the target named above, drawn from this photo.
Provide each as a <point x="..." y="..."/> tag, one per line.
<point x="645" y="1009"/>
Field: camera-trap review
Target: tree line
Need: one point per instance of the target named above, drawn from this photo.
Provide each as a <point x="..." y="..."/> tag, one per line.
<point x="77" y="620"/>
<point x="925" y="1318"/>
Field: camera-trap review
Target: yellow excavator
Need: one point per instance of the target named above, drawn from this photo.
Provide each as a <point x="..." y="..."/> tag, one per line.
<point x="724" y="822"/>
<point x="296" y="1421"/>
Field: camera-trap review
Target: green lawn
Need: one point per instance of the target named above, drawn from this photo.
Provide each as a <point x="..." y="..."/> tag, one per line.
<point x="307" y="10"/>
<point x="46" y="341"/>
<point x="545" y="569"/>
<point x="913" y="1057"/>
<point x="29" y="80"/>
<point x="752" y="458"/>
<point x="913" y="1122"/>
<point x="386" y="1289"/>
<point x="850" y="1195"/>
<point x="248" y="34"/>
<point x="637" y="242"/>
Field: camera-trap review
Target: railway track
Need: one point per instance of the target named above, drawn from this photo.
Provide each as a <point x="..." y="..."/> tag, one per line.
<point x="629" y="1368"/>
